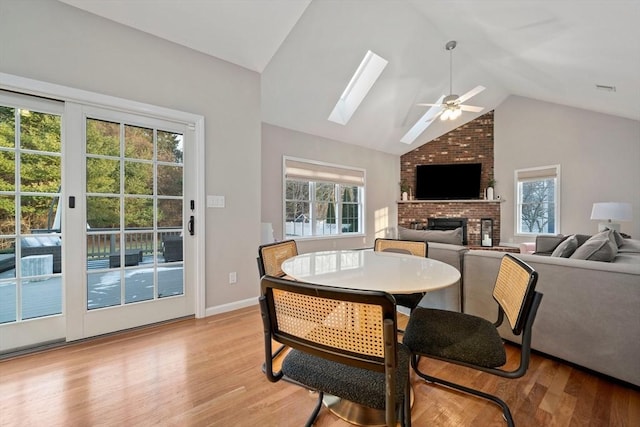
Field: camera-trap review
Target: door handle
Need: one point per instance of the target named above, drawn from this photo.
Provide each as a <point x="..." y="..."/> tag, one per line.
<point x="191" y="226"/>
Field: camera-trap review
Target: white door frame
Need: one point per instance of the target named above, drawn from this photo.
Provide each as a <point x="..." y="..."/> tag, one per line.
<point x="192" y="121"/>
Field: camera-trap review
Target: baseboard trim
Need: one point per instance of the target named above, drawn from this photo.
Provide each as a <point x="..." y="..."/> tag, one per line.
<point x="224" y="308"/>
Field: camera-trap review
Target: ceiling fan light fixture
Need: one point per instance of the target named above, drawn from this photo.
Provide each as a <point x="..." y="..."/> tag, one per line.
<point x="446" y="114"/>
<point x="455" y="113"/>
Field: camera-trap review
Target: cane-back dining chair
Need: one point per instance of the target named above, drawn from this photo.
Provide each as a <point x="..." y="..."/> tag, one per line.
<point x="474" y="342"/>
<point x="272" y="255"/>
<point x="408" y="247"/>
<point x="343" y="342"/>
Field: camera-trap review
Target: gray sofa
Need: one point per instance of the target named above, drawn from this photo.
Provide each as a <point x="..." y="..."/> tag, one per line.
<point x="590" y="312"/>
<point x="445" y="246"/>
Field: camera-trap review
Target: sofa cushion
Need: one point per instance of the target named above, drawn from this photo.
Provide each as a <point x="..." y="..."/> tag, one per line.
<point x="630" y="246"/>
<point x="566" y="248"/>
<point x="452" y="237"/>
<point x="627" y="258"/>
<point x="600" y="247"/>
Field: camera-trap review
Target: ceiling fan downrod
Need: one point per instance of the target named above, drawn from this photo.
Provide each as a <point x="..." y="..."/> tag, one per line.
<point x="450" y="46"/>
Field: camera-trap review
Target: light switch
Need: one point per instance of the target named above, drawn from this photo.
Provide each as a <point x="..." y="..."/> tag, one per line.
<point x="215" y="201"/>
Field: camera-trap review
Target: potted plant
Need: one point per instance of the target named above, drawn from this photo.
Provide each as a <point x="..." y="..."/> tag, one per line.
<point x="490" y="185"/>
<point x="404" y="188"/>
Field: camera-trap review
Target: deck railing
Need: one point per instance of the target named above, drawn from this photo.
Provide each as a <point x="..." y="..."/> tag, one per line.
<point x="103" y="242"/>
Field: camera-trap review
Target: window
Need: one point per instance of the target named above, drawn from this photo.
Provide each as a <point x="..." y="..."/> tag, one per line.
<point x="538" y="200"/>
<point x="321" y="199"/>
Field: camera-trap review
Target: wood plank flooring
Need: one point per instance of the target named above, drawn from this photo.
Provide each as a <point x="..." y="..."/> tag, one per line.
<point x="206" y="372"/>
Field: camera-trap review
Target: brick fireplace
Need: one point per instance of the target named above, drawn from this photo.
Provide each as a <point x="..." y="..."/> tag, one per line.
<point x="469" y="143"/>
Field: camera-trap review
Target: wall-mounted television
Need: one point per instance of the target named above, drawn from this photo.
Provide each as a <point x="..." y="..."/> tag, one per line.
<point x="456" y="181"/>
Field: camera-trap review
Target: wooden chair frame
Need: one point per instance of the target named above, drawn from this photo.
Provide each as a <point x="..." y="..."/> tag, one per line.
<point x="281" y="300"/>
<point x="518" y="302"/>
<point x="271" y="256"/>
<point x="416" y="248"/>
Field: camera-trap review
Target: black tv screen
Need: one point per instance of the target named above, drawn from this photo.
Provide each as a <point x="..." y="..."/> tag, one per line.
<point x="448" y="182"/>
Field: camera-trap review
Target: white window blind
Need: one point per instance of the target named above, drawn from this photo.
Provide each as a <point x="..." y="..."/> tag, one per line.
<point x="296" y="169"/>
<point x="537" y="173"/>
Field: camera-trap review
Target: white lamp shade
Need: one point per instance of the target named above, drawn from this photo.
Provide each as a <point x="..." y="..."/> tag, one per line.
<point x="615" y="211"/>
<point x="266" y="229"/>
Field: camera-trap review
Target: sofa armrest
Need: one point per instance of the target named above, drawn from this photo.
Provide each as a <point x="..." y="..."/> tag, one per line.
<point x="545" y="244"/>
<point x="527" y="247"/>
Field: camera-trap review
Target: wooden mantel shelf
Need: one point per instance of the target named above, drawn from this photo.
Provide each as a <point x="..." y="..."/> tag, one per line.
<point x="453" y="201"/>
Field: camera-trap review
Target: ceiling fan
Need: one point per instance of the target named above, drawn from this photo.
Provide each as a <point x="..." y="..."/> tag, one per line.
<point x="450" y="107"/>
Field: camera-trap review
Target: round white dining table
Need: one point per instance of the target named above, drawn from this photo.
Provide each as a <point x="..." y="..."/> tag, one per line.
<point x="369" y="270"/>
<point x="365" y="269"/>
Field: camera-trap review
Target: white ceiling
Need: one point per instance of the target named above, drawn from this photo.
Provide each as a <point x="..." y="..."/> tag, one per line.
<point x="307" y="50"/>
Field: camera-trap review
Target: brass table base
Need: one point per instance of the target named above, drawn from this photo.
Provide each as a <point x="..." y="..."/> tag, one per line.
<point x="356" y="414"/>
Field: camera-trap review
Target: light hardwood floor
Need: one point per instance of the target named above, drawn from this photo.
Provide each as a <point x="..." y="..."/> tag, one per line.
<point x="207" y="372"/>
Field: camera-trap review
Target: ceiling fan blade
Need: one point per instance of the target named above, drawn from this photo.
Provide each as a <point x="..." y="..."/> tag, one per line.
<point x="473" y="92"/>
<point x="471" y="108"/>
<point x="438" y="103"/>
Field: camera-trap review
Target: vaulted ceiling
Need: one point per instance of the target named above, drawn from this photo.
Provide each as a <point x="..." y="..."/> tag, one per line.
<point x="307" y="50"/>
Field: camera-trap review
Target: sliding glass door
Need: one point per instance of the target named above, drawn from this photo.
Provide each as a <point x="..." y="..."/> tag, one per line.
<point x="31" y="241"/>
<point x="133" y="183"/>
<point x="97" y="213"/>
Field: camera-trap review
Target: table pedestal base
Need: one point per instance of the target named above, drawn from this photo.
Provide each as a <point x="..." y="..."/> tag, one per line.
<point x="356" y="414"/>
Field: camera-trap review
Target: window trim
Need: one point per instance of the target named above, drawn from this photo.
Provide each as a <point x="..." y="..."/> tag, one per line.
<point x="532" y="174"/>
<point x="343" y="175"/>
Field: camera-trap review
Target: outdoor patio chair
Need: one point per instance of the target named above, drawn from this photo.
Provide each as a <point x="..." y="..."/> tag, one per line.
<point x="172" y="248"/>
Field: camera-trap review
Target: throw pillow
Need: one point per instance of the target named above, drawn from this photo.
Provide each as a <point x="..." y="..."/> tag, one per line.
<point x="600" y="247"/>
<point x="618" y="237"/>
<point x="545" y="244"/>
<point x="451" y="237"/>
<point x="566" y="248"/>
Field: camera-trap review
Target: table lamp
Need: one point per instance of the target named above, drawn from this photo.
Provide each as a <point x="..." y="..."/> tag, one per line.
<point x="611" y="211"/>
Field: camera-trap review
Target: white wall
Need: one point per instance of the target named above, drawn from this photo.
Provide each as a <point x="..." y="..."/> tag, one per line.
<point x="53" y="42"/>
<point x="382" y="190"/>
<point x="599" y="157"/>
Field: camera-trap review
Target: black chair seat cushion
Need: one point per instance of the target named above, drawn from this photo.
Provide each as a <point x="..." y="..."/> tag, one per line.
<point x="409" y="300"/>
<point x="455" y="336"/>
<point x="358" y="385"/>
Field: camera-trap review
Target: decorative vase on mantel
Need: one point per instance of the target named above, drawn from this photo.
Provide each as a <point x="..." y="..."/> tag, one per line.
<point x="405" y="196"/>
<point x="489" y="193"/>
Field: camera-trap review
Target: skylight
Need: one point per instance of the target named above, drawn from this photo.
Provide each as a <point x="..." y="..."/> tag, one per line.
<point x="422" y="123"/>
<point x="361" y="83"/>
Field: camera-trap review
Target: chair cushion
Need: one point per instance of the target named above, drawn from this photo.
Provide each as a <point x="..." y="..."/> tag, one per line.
<point x="456" y="336"/>
<point x="358" y="385"/>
